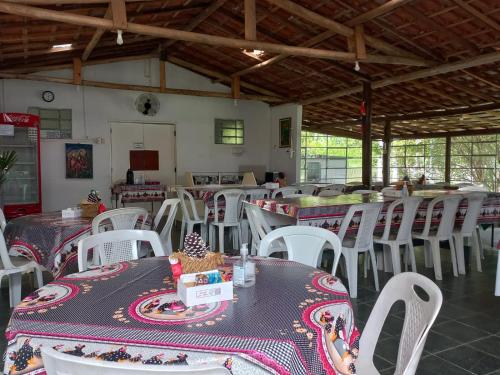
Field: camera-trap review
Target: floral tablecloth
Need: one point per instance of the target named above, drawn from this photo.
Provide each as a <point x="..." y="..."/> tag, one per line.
<point x="139" y="193"/>
<point x="48" y="239"/>
<point x="295" y="320"/>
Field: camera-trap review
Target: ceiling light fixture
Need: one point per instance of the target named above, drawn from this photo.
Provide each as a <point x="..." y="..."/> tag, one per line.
<point x="62" y="46"/>
<point x="119" y="37"/>
<point x="357" y="67"/>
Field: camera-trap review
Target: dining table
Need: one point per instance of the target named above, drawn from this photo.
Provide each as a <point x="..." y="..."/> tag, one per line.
<point x="49" y="239"/>
<point x="296" y="319"/>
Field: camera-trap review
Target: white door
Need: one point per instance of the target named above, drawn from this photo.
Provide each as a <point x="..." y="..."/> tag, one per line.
<point x="126" y="136"/>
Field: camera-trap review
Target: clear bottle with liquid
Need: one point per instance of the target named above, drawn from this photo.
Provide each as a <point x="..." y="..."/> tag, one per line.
<point x="244" y="269"/>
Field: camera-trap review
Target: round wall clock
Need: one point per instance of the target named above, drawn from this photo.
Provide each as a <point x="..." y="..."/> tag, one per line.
<point x="48" y="96"/>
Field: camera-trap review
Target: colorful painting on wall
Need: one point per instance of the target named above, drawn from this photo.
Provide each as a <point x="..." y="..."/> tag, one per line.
<point x="79" y="161"/>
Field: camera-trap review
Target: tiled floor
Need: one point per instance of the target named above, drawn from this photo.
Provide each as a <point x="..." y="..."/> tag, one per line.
<point x="464" y="340"/>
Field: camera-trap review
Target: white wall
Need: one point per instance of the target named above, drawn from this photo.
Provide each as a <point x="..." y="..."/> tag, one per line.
<point x="286" y="160"/>
<point x="94" y="108"/>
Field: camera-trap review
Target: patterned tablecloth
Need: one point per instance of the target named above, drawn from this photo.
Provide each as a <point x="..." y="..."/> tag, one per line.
<point x="48" y="239"/>
<point x="328" y="213"/>
<point x="139" y="193"/>
<point x="130" y="312"/>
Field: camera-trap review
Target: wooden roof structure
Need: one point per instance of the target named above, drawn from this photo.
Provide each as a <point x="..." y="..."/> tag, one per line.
<point x="433" y="65"/>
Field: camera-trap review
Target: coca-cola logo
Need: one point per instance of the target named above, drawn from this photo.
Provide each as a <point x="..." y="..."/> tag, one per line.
<point x="19" y="118"/>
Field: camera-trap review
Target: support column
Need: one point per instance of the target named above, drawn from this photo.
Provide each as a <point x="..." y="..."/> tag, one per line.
<point x="366" y="124"/>
<point x="386" y="156"/>
<point x="447" y="160"/>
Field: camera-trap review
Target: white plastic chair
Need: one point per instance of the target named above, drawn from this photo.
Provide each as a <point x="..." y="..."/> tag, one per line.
<point x="473" y="187"/>
<point x="232" y="217"/>
<point x="190" y="216"/>
<point x="308" y="189"/>
<point x="364" y="191"/>
<point x="361" y="242"/>
<point x="420" y="315"/>
<point x="393" y="240"/>
<point x="329" y="193"/>
<point x="285" y="191"/>
<point x="57" y="363"/>
<point x="121" y="218"/>
<point x="444" y="232"/>
<point x="117" y="246"/>
<point x="468" y="230"/>
<point x="252" y="194"/>
<point x="259" y="229"/>
<point x="13" y="267"/>
<point x="165" y="232"/>
<point x="338" y="187"/>
<point x="304" y="244"/>
<point x="3" y="221"/>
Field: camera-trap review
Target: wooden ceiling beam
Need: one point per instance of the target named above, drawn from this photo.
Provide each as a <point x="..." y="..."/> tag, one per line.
<point x="69" y="2"/>
<point x="464" y="88"/>
<point x="95" y="38"/>
<point x="478" y="15"/>
<point x="120" y="86"/>
<point x="250" y="20"/>
<point x="488" y="58"/>
<point x="119" y="13"/>
<point x="341" y="29"/>
<point x="461" y="133"/>
<point x="160" y="32"/>
<point x="479" y="78"/>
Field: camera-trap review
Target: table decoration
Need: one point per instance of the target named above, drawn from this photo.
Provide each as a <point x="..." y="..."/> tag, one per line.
<point x="195" y="257"/>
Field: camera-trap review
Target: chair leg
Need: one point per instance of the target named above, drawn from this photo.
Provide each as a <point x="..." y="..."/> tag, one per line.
<point x="436" y="258"/>
<point x="211" y="237"/>
<point x="477" y="250"/>
<point x="387" y="258"/>
<point x="15" y="281"/>
<point x="351" y="259"/>
<point x="375" y="269"/>
<point x="459" y="250"/>
<point x="428" y="254"/>
<point x="453" y="256"/>
<point x="396" y="259"/>
<point x="203" y="230"/>
<point x="38" y="277"/>
<point x="221" y="239"/>
<point x="181" y="240"/>
<point x="366" y="265"/>
<point x="480" y="242"/>
<point x="411" y="250"/>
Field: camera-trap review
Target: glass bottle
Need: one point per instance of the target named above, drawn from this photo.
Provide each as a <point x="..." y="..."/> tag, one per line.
<point x="244" y="269"/>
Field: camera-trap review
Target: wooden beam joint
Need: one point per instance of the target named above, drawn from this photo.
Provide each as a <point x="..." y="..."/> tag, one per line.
<point x="77" y="71"/>
<point x="119" y="11"/>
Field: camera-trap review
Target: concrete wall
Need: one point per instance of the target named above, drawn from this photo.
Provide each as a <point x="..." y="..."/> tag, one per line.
<point x="94" y="108"/>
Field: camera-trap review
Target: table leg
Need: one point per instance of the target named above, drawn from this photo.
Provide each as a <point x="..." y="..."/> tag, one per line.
<point x="497" y="284"/>
<point x="493" y="235"/>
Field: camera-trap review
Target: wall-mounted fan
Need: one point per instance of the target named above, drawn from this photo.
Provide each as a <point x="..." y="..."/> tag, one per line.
<point x="147" y="104"/>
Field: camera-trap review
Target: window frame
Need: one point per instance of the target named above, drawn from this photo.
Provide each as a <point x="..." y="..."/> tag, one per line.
<point x="221" y="124"/>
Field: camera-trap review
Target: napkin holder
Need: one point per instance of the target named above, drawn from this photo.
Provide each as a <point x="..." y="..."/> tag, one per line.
<point x="71" y="213"/>
<point x="202" y="294"/>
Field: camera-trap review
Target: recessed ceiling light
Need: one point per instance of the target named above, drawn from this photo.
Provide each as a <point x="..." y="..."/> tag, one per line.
<point x="62" y="46"/>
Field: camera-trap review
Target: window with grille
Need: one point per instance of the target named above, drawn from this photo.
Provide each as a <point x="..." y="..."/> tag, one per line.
<point x="54" y="123"/>
<point x="229" y="132"/>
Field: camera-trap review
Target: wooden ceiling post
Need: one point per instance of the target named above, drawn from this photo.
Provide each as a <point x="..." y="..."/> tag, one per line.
<point x="359" y="42"/>
<point x="386" y="155"/>
<point x="366" y="123"/>
<point x="163" y="76"/>
<point x="250" y="20"/>
<point x="77" y="71"/>
<point x="447" y="160"/>
<point x="235" y="87"/>
<point x="119" y="12"/>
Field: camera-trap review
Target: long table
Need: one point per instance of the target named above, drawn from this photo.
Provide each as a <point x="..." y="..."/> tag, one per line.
<point x="295" y="320"/>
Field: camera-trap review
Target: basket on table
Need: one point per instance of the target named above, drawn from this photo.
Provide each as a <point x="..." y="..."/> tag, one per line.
<point x="195" y="257"/>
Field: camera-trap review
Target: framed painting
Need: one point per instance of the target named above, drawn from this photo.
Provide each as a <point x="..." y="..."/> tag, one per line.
<point x="79" y="160"/>
<point x="286" y="132"/>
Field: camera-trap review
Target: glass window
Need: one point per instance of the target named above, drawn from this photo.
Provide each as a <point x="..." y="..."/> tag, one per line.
<point x="54" y="123"/>
<point x="229" y="132"/>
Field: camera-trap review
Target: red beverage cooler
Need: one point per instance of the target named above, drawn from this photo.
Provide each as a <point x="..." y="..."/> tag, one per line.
<point x="22" y="192"/>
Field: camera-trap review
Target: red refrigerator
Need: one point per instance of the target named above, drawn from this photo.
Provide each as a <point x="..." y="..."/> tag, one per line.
<point x="22" y="193"/>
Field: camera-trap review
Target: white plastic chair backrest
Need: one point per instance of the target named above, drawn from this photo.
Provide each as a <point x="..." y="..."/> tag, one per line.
<point x="258" y="224"/>
<point x="364" y="191"/>
<point x="304" y="244"/>
<point x="171" y="205"/>
<point x="57" y="363"/>
<point x="189" y="211"/>
<point x="308" y="189"/>
<point x="3" y="221"/>
<point x="464" y="184"/>
<point x="420" y="314"/>
<point x="474" y="203"/>
<point x="285" y="191"/>
<point x="473" y="188"/>
<point x="329" y="193"/>
<point x="388" y="188"/>
<point x="252" y="194"/>
<point x="117" y="246"/>
<point x="447" y="221"/>
<point x="233" y="204"/>
<point x="410" y="206"/>
<point x="121" y="218"/>
<point x="369" y="215"/>
<point x="4" y="254"/>
<point x="338" y="187"/>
